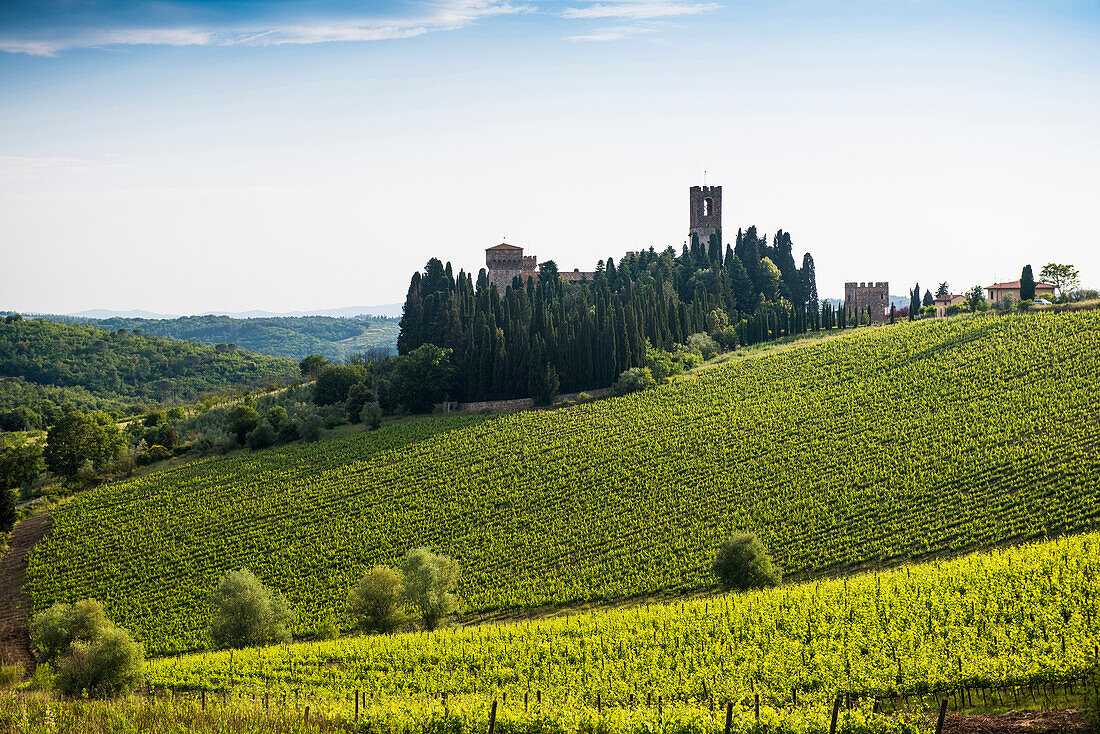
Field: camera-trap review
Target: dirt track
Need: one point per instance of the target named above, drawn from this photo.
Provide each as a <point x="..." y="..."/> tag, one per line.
<point x="14" y="633"/>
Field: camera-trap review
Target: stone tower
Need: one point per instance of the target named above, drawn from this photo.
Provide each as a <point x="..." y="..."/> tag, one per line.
<point x="504" y="262"/>
<point x="706" y="212"/>
<point x="858" y="297"/>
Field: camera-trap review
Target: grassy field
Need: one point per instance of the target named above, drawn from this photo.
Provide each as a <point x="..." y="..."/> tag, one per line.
<point x="898" y="443"/>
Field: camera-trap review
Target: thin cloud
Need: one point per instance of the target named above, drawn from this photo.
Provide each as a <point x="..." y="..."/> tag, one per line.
<point x="640" y="10"/>
<point x="441" y="16"/>
<point x="25" y="168"/>
<point x="611" y="34"/>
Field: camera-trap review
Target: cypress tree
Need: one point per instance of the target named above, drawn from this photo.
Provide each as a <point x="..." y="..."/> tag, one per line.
<point x="1027" y="284"/>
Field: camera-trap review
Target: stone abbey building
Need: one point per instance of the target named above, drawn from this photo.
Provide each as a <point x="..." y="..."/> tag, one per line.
<point x="505" y="262"/>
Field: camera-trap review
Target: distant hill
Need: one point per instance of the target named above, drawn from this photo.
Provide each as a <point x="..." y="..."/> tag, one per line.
<point x="385" y="309"/>
<point x="48" y="367"/>
<point x="281" y="336"/>
<point x="886" y="444"/>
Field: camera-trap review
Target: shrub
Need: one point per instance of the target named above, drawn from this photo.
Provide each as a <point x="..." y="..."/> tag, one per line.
<point x="371" y="416"/>
<point x="703" y="345"/>
<point x="309" y="427"/>
<point x="375" y="603"/>
<point x="110" y="665"/>
<point x="243" y="419"/>
<point x="634" y="379"/>
<point x="247" y="613"/>
<point x="175" y="414"/>
<point x="743" y="563"/>
<point x="260" y="437"/>
<point x="55" y="629"/>
<point x="157" y="453"/>
<point x="10" y="675"/>
<point x="429" y="582"/>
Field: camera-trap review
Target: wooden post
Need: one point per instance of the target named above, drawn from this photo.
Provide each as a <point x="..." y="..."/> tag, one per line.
<point x="836" y="712"/>
<point x="660" y="709"/>
<point x="729" y="716"/>
<point x="306" y="719"/>
<point x="943" y="714"/>
<point x="599" y="704"/>
<point x="756" y="705"/>
<point x="357" y="705"/>
<point x="493" y="718"/>
<point x="204" y="699"/>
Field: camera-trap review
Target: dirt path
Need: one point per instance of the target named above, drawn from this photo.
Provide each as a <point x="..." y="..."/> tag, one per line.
<point x="1019" y="722"/>
<point x="15" y="643"/>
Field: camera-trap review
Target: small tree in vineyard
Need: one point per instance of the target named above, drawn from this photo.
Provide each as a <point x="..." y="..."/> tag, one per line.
<point x="743" y="563"/>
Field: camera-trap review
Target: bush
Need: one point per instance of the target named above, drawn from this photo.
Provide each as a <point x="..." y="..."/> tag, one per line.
<point x="175" y="414"/>
<point x="375" y="603"/>
<point x="309" y="427"/>
<point x="157" y="453"/>
<point x="634" y="379"/>
<point x="371" y="416"/>
<point x="247" y="613"/>
<point x="742" y="563"/>
<point x="54" y="630"/>
<point x="703" y="345"/>
<point x="242" y="420"/>
<point x="429" y="582"/>
<point x="260" y="437"/>
<point x="110" y="665"/>
<point x="334" y="383"/>
<point x="10" y="675"/>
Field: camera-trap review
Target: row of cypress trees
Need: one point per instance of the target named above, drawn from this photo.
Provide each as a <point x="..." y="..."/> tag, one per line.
<point x="583" y="335"/>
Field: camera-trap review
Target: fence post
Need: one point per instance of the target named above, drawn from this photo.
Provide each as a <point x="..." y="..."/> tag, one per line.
<point x="729" y="716"/>
<point x="204" y="699"/>
<point x="836" y="712"/>
<point x="306" y="719"/>
<point x="756" y="705"/>
<point x="357" y="705"/>
<point x="493" y="718"/>
<point x="943" y="713"/>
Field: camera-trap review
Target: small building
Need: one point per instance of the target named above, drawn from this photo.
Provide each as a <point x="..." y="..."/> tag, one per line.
<point x="942" y="304"/>
<point x="505" y="262"/>
<point x="997" y="291"/>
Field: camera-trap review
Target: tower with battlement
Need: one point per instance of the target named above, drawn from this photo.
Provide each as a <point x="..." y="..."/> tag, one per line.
<point x="504" y="262"/>
<point x="858" y="297"/>
<point x="705" y="207"/>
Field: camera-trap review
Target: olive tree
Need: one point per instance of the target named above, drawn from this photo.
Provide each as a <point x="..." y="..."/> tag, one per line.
<point x="429" y="582"/>
<point x="375" y="602"/>
<point x="743" y="563"/>
<point x="247" y="613"/>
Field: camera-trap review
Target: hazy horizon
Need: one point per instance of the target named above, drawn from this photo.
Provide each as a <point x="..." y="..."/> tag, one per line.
<point x="195" y="157"/>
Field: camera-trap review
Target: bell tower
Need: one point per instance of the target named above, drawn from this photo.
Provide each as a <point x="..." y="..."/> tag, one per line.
<point x="705" y="207"/>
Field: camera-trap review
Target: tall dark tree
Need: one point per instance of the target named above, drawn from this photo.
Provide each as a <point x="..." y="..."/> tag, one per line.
<point x="943" y="291"/>
<point x="1027" y="284"/>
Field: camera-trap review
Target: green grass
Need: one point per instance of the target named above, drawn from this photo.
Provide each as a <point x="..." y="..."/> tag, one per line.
<point x="892" y="444"/>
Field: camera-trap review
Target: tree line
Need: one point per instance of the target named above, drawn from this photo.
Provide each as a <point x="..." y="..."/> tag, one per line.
<point x="546" y="334"/>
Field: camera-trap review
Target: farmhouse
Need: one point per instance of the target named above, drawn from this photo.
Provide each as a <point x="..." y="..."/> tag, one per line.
<point x="942" y="304"/>
<point x="997" y="291"/>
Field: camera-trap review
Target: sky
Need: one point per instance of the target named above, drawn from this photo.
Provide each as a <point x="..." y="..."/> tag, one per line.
<point x="183" y="157"/>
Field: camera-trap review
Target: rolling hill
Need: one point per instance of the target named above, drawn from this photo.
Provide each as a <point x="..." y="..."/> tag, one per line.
<point x="886" y="445"/>
<point x="50" y="367"/>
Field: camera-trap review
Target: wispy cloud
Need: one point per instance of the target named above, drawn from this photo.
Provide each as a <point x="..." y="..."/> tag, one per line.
<point x="435" y="16"/>
<point x="615" y="33"/>
<point x="640" y="9"/>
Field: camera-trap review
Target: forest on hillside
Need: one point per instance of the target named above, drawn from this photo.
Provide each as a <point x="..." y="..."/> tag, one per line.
<point x="547" y="334"/>
<point x="48" y="368"/>
<point x="280" y="336"/>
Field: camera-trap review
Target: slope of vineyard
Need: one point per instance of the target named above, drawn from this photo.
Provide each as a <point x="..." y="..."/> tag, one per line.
<point x="1028" y="614"/>
<point x="890" y="444"/>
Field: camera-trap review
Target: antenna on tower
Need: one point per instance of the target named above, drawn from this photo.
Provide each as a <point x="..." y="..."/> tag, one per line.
<point x="704" y="177"/>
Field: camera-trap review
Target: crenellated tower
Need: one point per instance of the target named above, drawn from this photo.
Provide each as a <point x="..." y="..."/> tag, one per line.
<point x="705" y="205"/>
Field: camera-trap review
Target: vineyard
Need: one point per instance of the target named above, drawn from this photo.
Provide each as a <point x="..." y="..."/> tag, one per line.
<point x="1021" y="616"/>
<point x="889" y="445"/>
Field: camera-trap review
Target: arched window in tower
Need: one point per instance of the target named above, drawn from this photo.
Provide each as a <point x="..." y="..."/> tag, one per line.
<point x="708" y="207"/>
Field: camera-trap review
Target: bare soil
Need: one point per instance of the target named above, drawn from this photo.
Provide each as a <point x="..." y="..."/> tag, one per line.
<point x="1019" y="722"/>
<point x="15" y="641"/>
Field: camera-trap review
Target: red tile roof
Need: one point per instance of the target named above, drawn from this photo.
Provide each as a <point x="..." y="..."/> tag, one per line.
<point x="1014" y="284"/>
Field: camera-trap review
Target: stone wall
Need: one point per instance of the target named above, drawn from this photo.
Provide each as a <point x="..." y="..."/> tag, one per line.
<point x="508" y="406"/>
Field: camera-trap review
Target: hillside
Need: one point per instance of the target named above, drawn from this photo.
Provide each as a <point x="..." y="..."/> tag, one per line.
<point x="887" y="445"/>
<point x="1027" y="614"/>
<point x="283" y="336"/>
<point x="49" y="367"/>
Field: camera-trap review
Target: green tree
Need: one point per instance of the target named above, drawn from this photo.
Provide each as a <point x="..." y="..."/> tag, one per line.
<point x="422" y="378"/>
<point x="81" y="437"/>
<point x="312" y="365"/>
<point x="743" y="563"/>
<point x="544" y="385"/>
<point x="633" y="380"/>
<point x="943" y="291"/>
<point x="429" y="584"/>
<point x="1027" y="284"/>
<point x="335" y="382"/>
<point x="19" y="466"/>
<point x="242" y="419"/>
<point x="57" y="627"/>
<point x="260" y="437"/>
<point x="1064" y="278"/>
<point x="108" y="666"/>
<point x="928" y="300"/>
<point x="975" y="299"/>
<point x="371" y="416"/>
<point x="247" y="613"/>
<point x="375" y="602"/>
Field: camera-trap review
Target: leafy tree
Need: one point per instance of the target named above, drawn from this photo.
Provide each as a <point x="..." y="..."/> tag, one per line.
<point x="19" y="466"/>
<point x="943" y="291"/>
<point x="1027" y="284"/>
<point x="247" y="613"/>
<point x="108" y="666"/>
<point x="928" y="299"/>
<point x="422" y="378"/>
<point x="262" y="436"/>
<point x="633" y="380"/>
<point x="56" y="628"/>
<point x="661" y="365"/>
<point x="358" y="396"/>
<point x="371" y="416"/>
<point x="335" y="382"/>
<point x="975" y="299"/>
<point x="1064" y="278"/>
<point x="312" y="365"/>
<point x="429" y="583"/>
<point x="79" y="438"/>
<point x="743" y="563"/>
<point x="375" y="602"/>
<point x="242" y="419"/>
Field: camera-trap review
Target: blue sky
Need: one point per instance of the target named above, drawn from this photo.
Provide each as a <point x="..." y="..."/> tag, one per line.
<point x="183" y="157"/>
